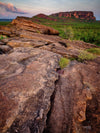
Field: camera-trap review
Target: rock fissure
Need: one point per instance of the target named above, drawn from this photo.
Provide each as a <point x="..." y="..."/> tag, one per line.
<point x="47" y="128"/>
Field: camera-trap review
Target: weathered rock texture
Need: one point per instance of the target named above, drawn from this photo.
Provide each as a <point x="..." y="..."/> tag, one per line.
<point x="84" y="15"/>
<point x="34" y="98"/>
<point x="55" y="44"/>
<point x="21" y="25"/>
<point x="27" y="81"/>
<point x="76" y="100"/>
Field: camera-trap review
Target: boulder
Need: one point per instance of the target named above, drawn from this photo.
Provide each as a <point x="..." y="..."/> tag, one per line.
<point x="27" y="81"/>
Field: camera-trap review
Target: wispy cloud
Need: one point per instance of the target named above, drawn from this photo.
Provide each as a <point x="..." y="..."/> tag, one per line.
<point x="11" y="8"/>
<point x="33" y="7"/>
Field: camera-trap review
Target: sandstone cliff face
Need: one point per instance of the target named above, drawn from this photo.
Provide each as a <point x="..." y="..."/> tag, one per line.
<point x="77" y="14"/>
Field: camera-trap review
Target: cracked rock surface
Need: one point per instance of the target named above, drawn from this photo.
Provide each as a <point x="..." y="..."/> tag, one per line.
<point x="76" y="101"/>
<point x="27" y="81"/>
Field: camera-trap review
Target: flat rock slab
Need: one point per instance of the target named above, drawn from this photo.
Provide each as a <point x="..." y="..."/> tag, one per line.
<point x="27" y="81"/>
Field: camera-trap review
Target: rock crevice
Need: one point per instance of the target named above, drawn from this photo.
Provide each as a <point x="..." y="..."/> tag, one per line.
<point x="74" y="105"/>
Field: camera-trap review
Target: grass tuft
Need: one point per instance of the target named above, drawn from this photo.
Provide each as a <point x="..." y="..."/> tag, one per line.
<point x="84" y="55"/>
<point x="2" y="37"/>
<point x="63" y="62"/>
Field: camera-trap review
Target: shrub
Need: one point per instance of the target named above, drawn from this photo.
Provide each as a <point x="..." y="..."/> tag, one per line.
<point x="84" y="55"/>
<point x="94" y="50"/>
<point x="2" y="37"/>
<point x="63" y="62"/>
<point x="69" y="32"/>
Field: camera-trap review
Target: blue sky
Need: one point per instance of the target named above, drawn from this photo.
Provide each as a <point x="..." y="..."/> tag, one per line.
<point x="13" y="8"/>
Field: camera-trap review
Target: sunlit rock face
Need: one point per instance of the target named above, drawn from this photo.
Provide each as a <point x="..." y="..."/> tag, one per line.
<point x="20" y="25"/>
<point x="86" y="15"/>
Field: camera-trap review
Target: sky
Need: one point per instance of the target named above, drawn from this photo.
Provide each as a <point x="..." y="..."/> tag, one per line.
<point x="13" y="8"/>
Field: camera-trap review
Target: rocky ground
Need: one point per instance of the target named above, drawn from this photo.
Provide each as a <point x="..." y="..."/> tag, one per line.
<point x="36" y="95"/>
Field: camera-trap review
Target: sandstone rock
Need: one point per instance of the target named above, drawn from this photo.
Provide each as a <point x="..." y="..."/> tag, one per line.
<point x="20" y="25"/>
<point x="5" y="32"/>
<point x="2" y="43"/>
<point x="59" y="49"/>
<point x="28" y="25"/>
<point x="55" y="44"/>
<point x="27" y="81"/>
<point x="5" y="49"/>
<point x="84" y="15"/>
<point x="76" y="100"/>
<point x="45" y="43"/>
<point x="25" y="42"/>
<point x="63" y="16"/>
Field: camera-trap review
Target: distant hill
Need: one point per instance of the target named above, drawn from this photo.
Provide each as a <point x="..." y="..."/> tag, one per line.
<point x="43" y="16"/>
<point x="63" y="16"/>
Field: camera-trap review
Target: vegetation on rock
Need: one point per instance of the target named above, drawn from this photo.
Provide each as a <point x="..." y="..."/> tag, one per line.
<point x="2" y="37"/>
<point x="84" y="55"/>
<point x="63" y="62"/>
<point x="94" y="50"/>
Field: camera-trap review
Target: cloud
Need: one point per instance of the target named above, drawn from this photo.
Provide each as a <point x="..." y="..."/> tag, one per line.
<point x="11" y="8"/>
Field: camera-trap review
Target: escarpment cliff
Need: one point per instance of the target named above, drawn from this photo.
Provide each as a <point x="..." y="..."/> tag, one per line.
<point x="88" y="15"/>
<point x="36" y="95"/>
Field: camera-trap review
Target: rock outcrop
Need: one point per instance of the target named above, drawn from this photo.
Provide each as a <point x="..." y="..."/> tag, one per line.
<point x="20" y="25"/>
<point x="84" y="15"/>
<point x="36" y="96"/>
<point x="27" y="81"/>
<point x="51" y="43"/>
